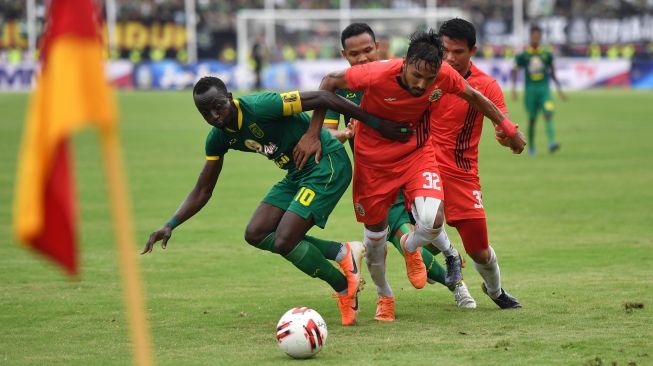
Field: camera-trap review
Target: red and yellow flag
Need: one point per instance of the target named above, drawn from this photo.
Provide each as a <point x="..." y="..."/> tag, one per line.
<point x="71" y="92"/>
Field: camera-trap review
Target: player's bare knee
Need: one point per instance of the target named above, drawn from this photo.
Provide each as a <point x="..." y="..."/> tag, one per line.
<point x="284" y="243"/>
<point x="254" y="235"/>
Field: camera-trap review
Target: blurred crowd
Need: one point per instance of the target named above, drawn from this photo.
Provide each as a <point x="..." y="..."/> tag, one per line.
<point x="155" y="29"/>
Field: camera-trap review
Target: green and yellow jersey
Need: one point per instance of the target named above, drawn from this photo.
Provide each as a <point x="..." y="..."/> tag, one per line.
<point x="333" y="118"/>
<point x="270" y="124"/>
<point x="537" y="64"/>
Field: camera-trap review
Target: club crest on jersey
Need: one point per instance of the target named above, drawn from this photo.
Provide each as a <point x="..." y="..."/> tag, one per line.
<point x="256" y="130"/>
<point x="254" y="146"/>
<point x="435" y="95"/>
<point x="232" y="141"/>
<point x="359" y="208"/>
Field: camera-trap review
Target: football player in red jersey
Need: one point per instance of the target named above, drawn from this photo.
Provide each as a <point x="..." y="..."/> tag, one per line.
<point x="402" y="90"/>
<point x="456" y="129"/>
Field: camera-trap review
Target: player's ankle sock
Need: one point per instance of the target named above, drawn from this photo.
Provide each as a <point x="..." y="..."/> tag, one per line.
<point x="442" y="243"/>
<point x="330" y="249"/>
<point x="421" y="237"/>
<point x="375" y="253"/>
<point x="267" y="243"/>
<point x="550" y="131"/>
<point x="309" y="260"/>
<point x="491" y="274"/>
<point x="434" y="271"/>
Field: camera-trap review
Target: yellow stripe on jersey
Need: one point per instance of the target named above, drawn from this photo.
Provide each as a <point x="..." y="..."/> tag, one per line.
<point x="331" y="121"/>
<point x="212" y="158"/>
<point x="292" y="103"/>
<point x="240" y="113"/>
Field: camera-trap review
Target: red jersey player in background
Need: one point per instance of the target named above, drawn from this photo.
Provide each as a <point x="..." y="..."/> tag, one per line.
<point x="456" y="129"/>
<point x="402" y="90"/>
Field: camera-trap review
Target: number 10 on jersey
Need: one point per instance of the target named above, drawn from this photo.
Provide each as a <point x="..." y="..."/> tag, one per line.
<point x="305" y="196"/>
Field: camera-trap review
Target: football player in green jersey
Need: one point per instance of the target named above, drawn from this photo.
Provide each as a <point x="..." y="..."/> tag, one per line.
<point x="359" y="46"/>
<point x="319" y="172"/>
<point x="537" y="62"/>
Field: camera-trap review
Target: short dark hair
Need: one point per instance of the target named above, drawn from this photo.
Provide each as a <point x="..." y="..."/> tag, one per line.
<point x="208" y="82"/>
<point x="425" y="47"/>
<point x="355" y="29"/>
<point x="536" y="28"/>
<point x="460" y="29"/>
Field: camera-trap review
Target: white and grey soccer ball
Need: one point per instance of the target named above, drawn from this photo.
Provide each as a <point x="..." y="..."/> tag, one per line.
<point x="301" y="332"/>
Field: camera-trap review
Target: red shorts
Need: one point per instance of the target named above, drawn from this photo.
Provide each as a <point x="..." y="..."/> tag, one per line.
<point x="463" y="198"/>
<point x="375" y="190"/>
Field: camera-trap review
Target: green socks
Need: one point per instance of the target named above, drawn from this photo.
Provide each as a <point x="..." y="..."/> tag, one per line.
<point x="328" y="248"/>
<point x="310" y="260"/>
<point x="267" y="243"/>
<point x="550" y="131"/>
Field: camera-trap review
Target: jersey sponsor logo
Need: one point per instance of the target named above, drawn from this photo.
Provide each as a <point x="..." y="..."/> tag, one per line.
<point x="282" y="161"/>
<point x="435" y="95"/>
<point x="351" y="96"/>
<point x="256" y="130"/>
<point x="389" y="99"/>
<point x="359" y="208"/>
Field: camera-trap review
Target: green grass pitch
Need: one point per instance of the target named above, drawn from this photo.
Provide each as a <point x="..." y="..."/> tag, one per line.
<point x="572" y="231"/>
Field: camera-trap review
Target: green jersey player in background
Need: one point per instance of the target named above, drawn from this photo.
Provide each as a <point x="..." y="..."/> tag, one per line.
<point x="319" y="172"/>
<point x="537" y="62"/>
<point x="359" y="46"/>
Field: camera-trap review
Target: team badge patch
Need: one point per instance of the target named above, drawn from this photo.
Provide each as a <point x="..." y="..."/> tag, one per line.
<point x="256" y="130"/>
<point x="359" y="208"/>
<point x="435" y="95"/>
<point x="254" y="146"/>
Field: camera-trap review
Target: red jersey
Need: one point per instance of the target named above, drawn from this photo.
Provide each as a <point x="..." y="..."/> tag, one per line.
<point x="384" y="97"/>
<point x="456" y="126"/>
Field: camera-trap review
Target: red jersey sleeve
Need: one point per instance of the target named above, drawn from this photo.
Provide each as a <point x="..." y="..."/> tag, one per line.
<point x="449" y="80"/>
<point x="358" y="77"/>
<point x="494" y="93"/>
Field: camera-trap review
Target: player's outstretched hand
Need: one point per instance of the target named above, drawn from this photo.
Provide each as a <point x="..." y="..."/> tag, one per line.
<point x="350" y="130"/>
<point x="163" y="234"/>
<point x="515" y="143"/>
<point x="395" y="131"/>
<point x="307" y="145"/>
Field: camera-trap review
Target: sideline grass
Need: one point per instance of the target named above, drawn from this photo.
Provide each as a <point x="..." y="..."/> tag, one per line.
<point x="572" y="232"/>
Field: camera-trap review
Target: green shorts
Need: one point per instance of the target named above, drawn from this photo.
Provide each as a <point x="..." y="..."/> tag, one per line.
<point x="315" y="190"/>
<point x="538" y="99"/>
<point x="397" y="216"/>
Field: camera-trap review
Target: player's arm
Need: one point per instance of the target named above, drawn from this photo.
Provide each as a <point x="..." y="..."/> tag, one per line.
<point x="513" y="76"/>
<point x="501" y="122"/>
<point x="338" y="80"/>
<point x="193" y="203"/>
<point x="513" y="80"/>
<point x="552" y="71"/>
<point x="321" y="100"/>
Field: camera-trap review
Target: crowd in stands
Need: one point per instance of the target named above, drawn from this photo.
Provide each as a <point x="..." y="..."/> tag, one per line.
<point x="155" y="29"/>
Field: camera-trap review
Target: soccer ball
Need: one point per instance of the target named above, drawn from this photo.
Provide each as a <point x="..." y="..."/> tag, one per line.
<point x="301" y="332"/>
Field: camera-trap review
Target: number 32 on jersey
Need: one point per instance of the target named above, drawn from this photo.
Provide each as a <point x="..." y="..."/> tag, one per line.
<point x="432" y="181"/>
